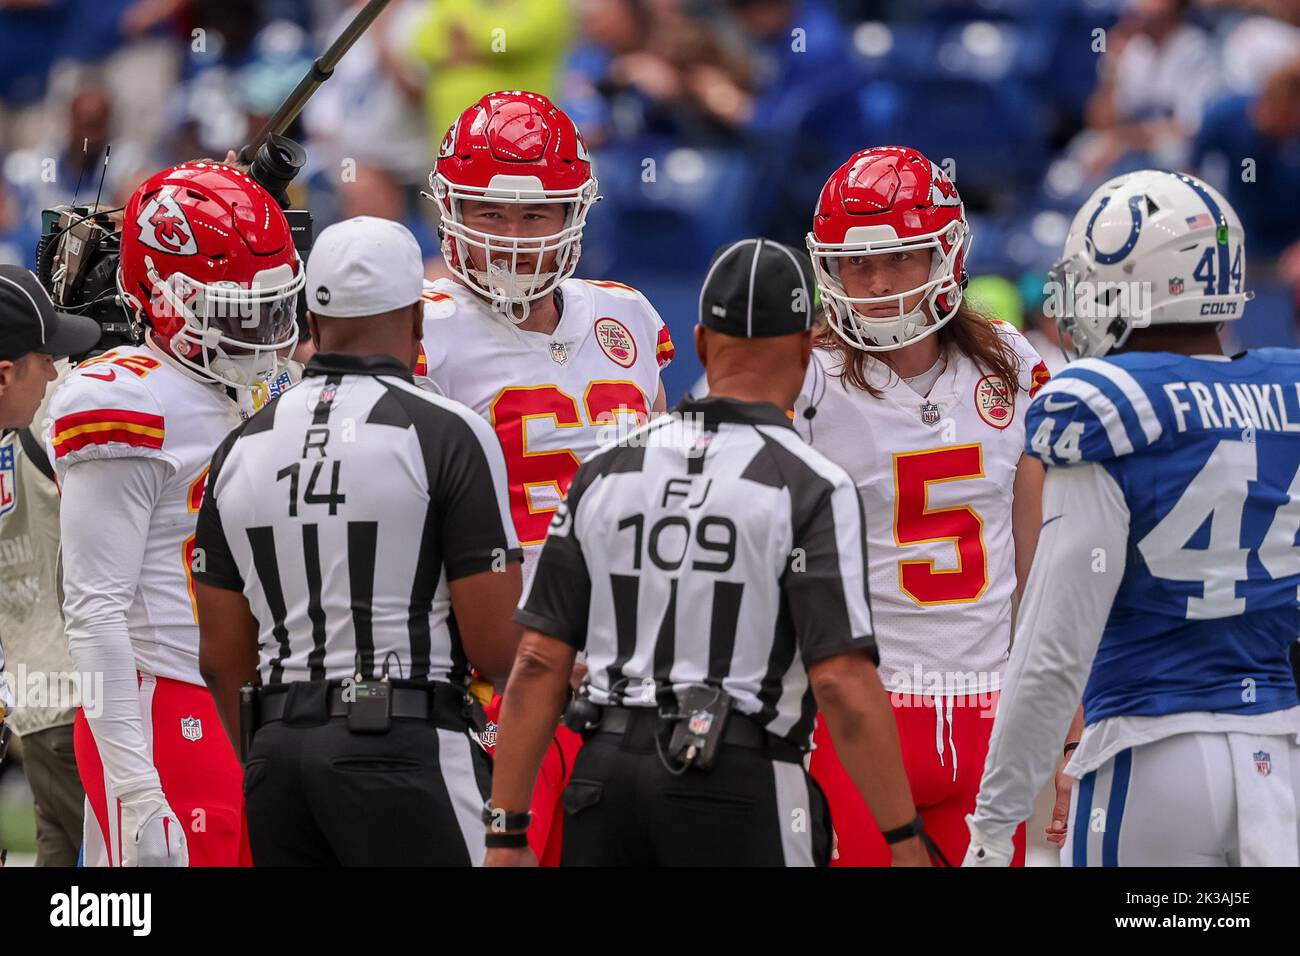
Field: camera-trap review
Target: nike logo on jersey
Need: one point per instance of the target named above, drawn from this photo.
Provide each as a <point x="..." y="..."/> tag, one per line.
<point x="1052" y="405"/>
<point x="1050" y="520"/>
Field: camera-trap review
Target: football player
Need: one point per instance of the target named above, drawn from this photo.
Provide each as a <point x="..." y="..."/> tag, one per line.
<point x="922" y="401"/>
<point x="1164" y="591"/>
<point x="208" y="264"/>
<point x="556" y="365"/>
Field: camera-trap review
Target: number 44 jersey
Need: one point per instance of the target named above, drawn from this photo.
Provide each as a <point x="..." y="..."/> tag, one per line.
<point x="551" y="399"/>
<point x="1206" y="453"/>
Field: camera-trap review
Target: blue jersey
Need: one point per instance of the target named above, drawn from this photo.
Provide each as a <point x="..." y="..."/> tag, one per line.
<point x="1206" y="454"/>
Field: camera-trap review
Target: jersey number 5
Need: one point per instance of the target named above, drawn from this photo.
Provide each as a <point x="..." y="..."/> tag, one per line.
<point x="526" y="470"/>
<point x="915" y="522"/>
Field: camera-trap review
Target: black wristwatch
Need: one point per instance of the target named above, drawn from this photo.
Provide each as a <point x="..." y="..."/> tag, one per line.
<point x="504" y="821"/>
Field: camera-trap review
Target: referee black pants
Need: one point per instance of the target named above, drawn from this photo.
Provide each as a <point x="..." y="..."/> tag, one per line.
<point x="623" y="807"/>
<point x="318" y="794"/>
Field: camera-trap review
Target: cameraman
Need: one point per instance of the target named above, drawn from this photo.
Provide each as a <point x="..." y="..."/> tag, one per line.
<point x="32" y="333"/>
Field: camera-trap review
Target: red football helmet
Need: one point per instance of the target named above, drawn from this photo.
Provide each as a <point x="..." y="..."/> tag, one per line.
<point x="512" y="147"/>
<point x="884" y="200"/>
<point x="208" y="260"/>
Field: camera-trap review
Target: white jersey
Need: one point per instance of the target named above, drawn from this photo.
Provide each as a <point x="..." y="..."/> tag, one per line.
<point x="136" y="403"/>
<point x="551" y="399"/>
<point x="936" y="474"/>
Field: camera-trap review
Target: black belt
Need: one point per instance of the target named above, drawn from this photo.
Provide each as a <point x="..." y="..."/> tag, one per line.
<point x="742" y="731"/>
<point x="412" y="702"/>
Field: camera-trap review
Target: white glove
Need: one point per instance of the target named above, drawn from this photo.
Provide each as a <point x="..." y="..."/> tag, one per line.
<point x="151" y="833"/>
<point x="984" y="851"/>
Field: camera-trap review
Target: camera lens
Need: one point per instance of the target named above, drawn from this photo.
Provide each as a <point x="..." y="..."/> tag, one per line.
<point x="276" y="164"/>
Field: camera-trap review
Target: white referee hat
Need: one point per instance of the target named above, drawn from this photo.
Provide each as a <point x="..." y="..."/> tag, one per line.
<point x="364" y="266"/>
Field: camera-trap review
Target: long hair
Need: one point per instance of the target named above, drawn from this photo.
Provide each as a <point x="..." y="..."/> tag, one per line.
<point x="969" y="333"/>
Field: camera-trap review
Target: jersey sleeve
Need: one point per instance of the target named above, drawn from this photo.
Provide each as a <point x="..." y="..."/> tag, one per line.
<point x="1033" y="373"/>
<point x="100" y="412"/>
<point x="655" y="326"/>
<point x="439" y="307"/>
<point x="1059" y="627"/>
<point x="1094" y="410"/>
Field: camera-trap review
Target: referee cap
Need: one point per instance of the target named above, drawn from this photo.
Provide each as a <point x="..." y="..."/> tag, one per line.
<point x="29" y="321"/>
<point x="364" y="266"/>
<point x="757" y="288"/>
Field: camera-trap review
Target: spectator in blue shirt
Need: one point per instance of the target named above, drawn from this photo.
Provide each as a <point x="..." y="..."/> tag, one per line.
<point x="1266" y="131"/>
<point x="796" y="45"/>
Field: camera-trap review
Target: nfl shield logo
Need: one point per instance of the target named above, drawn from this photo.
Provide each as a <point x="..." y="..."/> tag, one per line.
<point x="559" y="353"/>
<point x="700" y="722"/>
<point x="489" y="736"/>
<point x="8" y="481"/>
<point x="1263" y="763"/>
<point x="327" y="393"/>
<point x="1176" y="285"/>
<point x="191" y="728"/>
<point x="930" y="413"/>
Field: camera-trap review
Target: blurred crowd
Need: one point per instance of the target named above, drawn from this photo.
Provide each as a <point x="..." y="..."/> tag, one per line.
<point x="708" y="119"/>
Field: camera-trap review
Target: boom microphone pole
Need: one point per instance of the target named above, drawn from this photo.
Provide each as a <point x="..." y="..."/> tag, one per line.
<point x="321" y="70"/>
<point x="273" y="160"/>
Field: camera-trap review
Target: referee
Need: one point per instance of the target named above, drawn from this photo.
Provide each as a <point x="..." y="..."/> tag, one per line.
<point x="711" y="565"/>
<point x="355" y="557"/>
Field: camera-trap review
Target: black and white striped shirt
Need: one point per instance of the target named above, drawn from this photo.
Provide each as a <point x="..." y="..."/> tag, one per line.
<point x="713" y="546"/>
<point x="342" y="510"/>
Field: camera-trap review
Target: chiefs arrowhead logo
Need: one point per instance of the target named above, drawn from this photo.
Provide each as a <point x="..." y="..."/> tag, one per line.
<point x="942" y="190"/>
<point x="163" y="226"/>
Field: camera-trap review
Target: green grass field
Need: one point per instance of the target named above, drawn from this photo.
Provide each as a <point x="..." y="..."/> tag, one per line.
<point x="17" y="818"/>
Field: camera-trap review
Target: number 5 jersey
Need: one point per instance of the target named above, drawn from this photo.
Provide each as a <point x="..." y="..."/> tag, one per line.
<point x="936" y="473"/>
<point x="551" y="399"/>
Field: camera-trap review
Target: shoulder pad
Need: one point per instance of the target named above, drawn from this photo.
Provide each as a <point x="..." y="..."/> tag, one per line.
<point x="617" y="289"/>
<point x="105" y="410"/>
<point x="1093" y="410"/>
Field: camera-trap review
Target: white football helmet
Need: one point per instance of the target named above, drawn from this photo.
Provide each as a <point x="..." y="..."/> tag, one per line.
<point x="1148" y="248"/>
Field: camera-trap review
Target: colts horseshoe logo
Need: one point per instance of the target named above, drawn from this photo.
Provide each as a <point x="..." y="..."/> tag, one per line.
<point x="1135" y="228"/>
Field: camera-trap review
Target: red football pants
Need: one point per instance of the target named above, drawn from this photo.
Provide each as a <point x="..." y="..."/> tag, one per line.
<point x="943" y="756"/>
<point x="546" y="833"/>
<point x="201" y="779"/>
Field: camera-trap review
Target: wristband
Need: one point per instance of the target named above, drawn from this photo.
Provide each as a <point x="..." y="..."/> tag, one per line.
<point x="504" y="821"/>
<point x="905" y="832"/>
<point x="506" y="840"/>
<point x="1069" y="748"/>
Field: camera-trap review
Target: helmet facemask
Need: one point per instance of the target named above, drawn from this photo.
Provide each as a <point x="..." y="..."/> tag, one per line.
<point x="941" y="293"/>
<point x="509" y="287"/>
<point x="231" y="333"/>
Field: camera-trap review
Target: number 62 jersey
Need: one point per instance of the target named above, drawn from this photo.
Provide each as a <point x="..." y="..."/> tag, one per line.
<point x="1205" y="453"/>
<point x="551" y="399"/>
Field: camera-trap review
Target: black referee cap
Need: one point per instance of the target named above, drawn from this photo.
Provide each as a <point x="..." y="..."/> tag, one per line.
<point x="30" y="323"/>
<point x="756" y="289"/>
